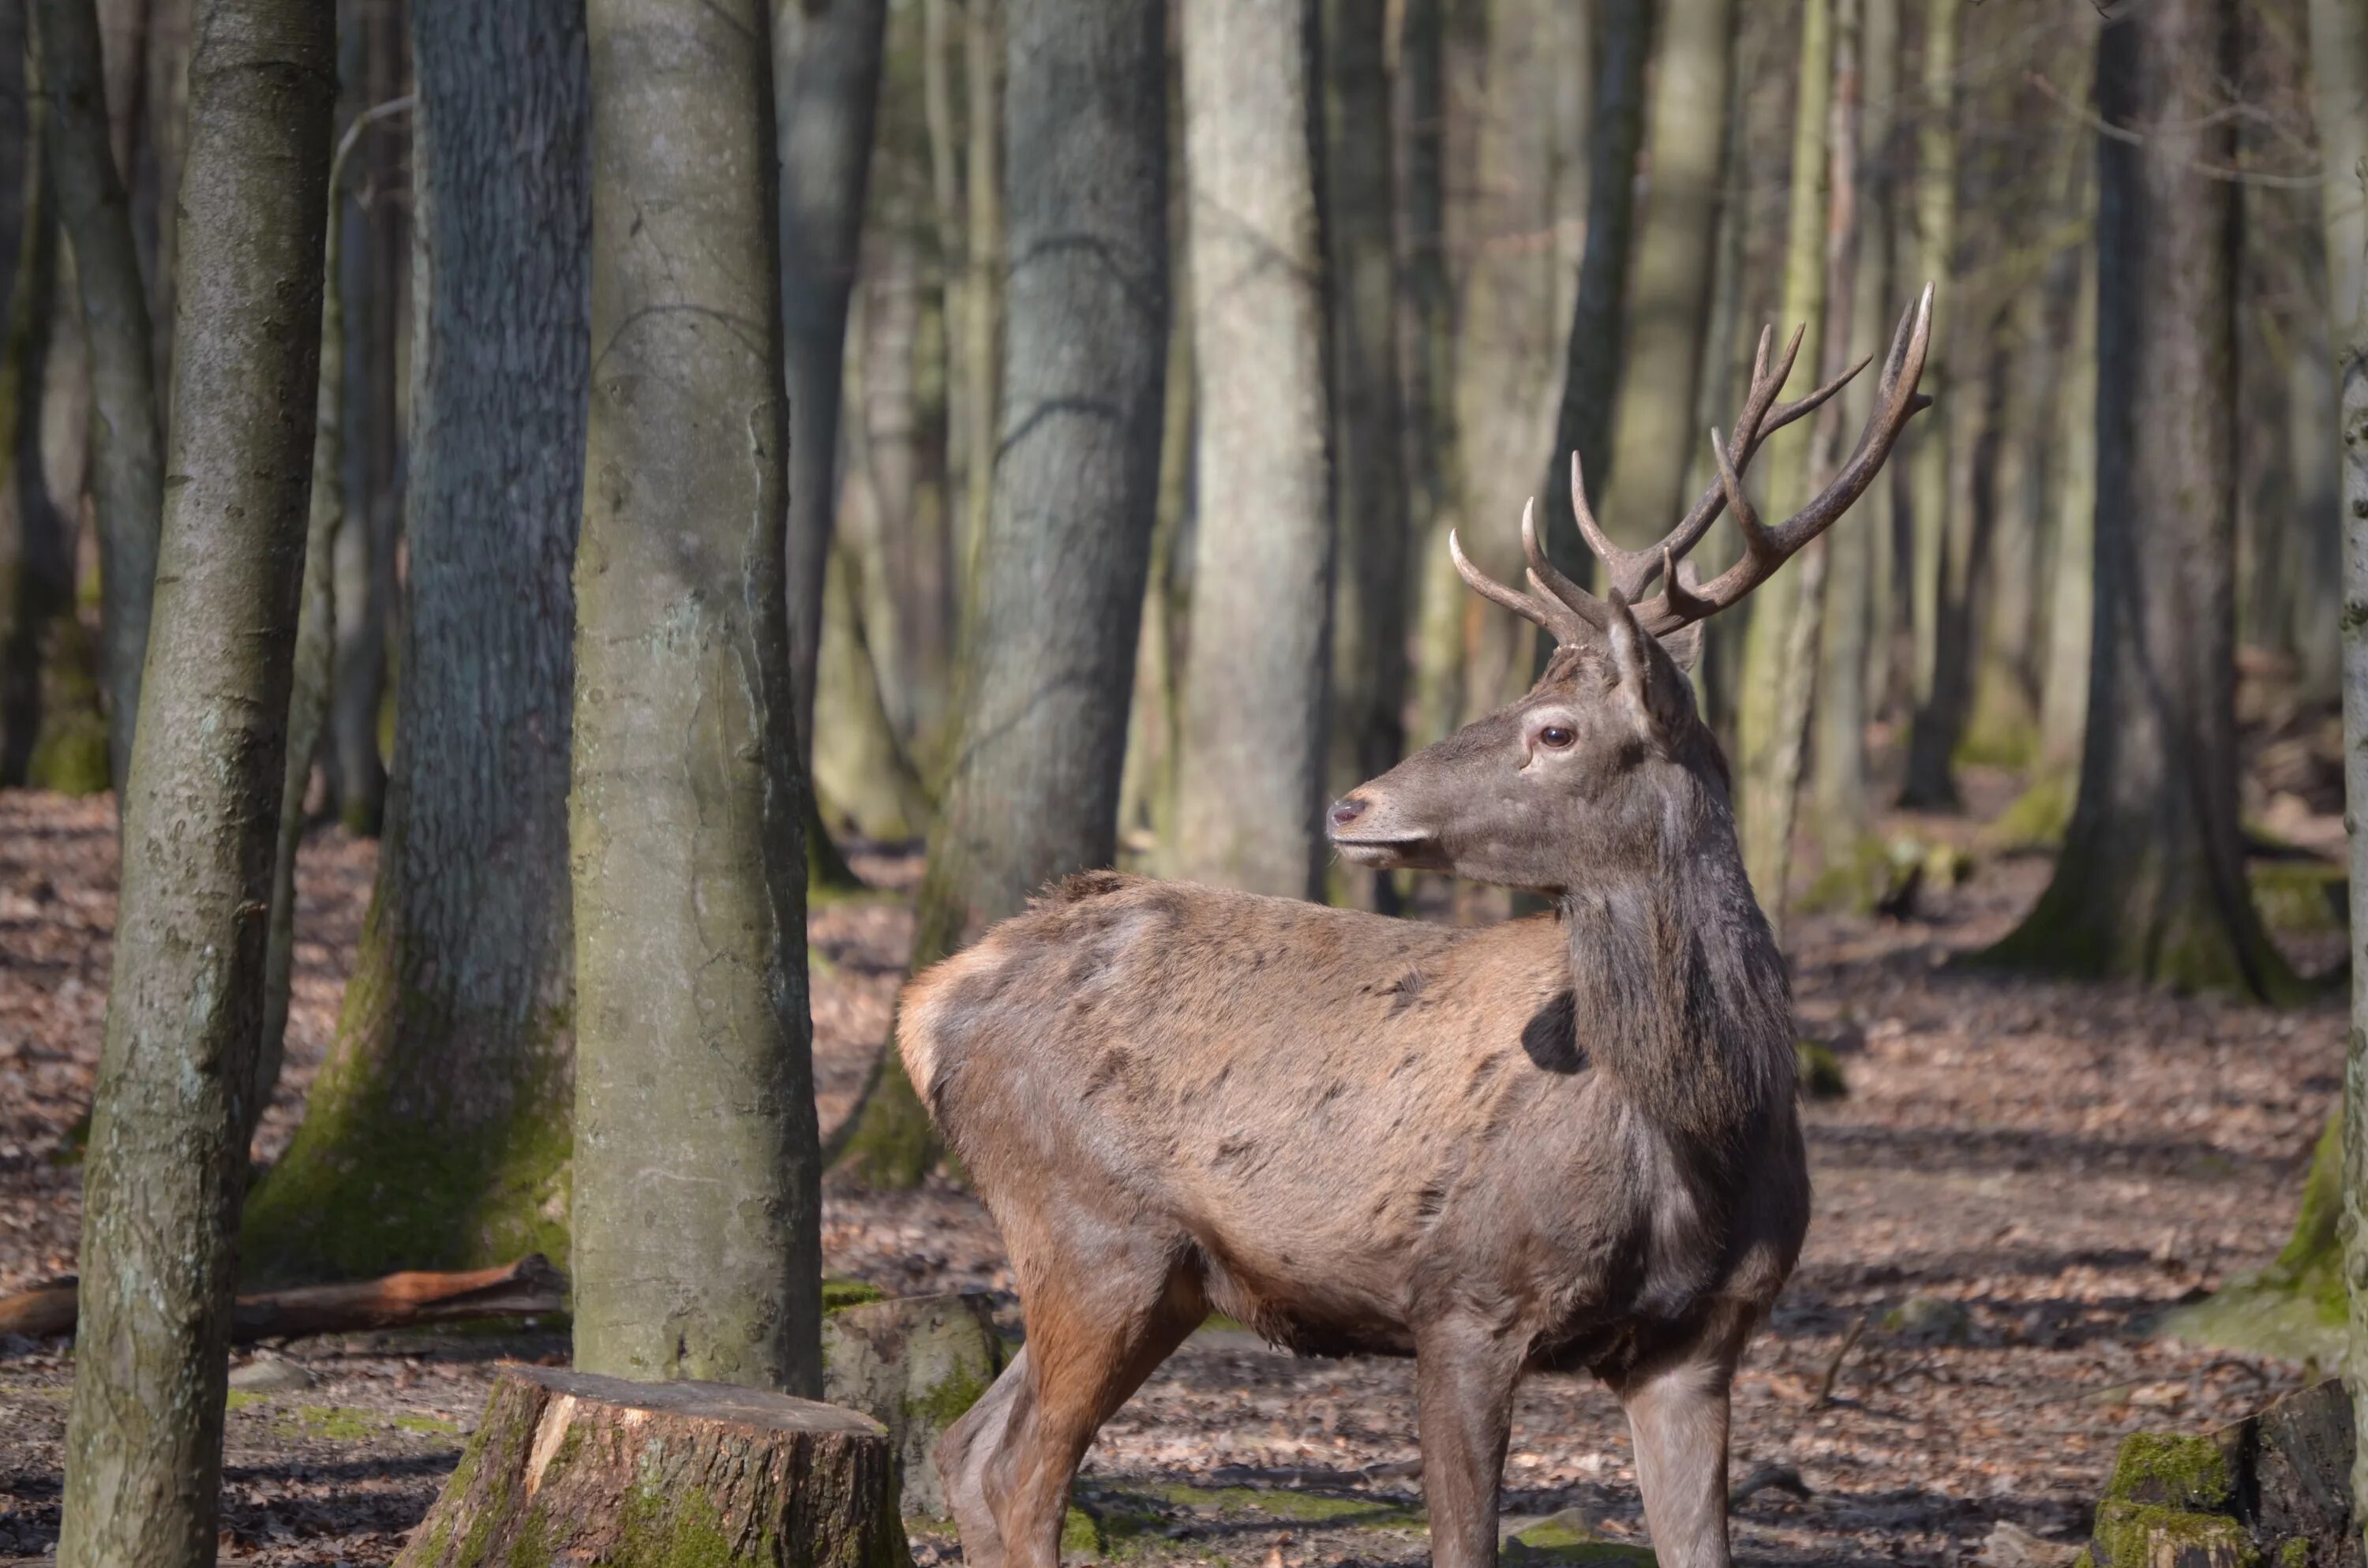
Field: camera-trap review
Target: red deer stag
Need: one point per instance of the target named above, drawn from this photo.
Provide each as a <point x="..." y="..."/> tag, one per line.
<point x="1564" y="1141"/>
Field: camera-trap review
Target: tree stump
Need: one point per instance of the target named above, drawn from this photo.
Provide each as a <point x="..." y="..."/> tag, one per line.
<point x="570" y="1467"/>
<point x="913" y="1364"/>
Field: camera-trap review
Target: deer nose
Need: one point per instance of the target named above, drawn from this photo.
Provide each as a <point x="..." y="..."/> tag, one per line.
<point x="1348" y="809"/>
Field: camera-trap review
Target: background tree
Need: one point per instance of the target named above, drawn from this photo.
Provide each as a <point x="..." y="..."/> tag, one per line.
<point x="2151" y="882"/>
<point x="1047" y="667"/>
<point x="437" y="1133"/>
<point x="167" y="1161"/>
<point x="1250" y="768"/>
<point x="696" y="1076"/>
<point x="2355" y="380"/>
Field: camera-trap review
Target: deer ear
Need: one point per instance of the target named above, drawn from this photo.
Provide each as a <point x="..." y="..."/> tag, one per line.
<point x="1648" y="671"/>
<point x="1684" y="646"/>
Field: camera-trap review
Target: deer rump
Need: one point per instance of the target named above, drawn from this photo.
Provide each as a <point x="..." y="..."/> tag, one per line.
<point x="1407" y="1124"/>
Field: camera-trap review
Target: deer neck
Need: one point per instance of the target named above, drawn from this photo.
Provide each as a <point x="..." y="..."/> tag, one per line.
<point x="1678" y="987"/>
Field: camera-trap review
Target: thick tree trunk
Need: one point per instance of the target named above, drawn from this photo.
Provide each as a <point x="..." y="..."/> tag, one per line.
<point x="1528" y="116"/>
<point x="156" y="175"/>
<point x="127" y="476"/>
<point x="1654" y="439"/>
<point x="1050" y="640"/>
<point x="566" y="1467"/>
<point x="826" y="88"/>
<point x="1369" y="487"/>
<point x="2151" y="883"/>
<point x="698" y="1202"/>
<point x="167" y="1162"/>
<point x="1250" y="775"/>
<point x="437" y="1134"/>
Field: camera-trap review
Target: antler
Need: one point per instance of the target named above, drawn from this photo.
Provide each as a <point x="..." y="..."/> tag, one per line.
<point x="1567" y="610"/>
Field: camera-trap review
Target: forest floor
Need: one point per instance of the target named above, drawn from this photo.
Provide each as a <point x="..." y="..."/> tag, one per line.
<point x="2022" y="1175"/>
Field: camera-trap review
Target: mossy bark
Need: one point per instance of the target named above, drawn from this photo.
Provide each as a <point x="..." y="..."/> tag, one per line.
<point x="697" y="1218"/>
<point x="437" y="1134"/>
<point x="127" y="474"/>
<point x="2151" y="882"/>
<point x="167" y="1161"/>
<point x="1033" y="790"/>
<point x="915" y="1364"/>
<point x="566" y="1467"/>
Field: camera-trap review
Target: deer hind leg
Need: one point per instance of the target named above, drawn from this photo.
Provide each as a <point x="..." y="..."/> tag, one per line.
<point x="1465" y="1376"/>
<point x="1100" y="1318"/>
<point x="1677" y="1415"/>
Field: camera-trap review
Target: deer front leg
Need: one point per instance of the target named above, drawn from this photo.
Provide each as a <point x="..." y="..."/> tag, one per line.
<point x="1677" y="1415"/>
<point x="1466" y="1374"/>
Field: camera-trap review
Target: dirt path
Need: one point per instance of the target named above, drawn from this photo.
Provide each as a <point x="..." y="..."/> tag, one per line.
<point x="2021" y="1177"/>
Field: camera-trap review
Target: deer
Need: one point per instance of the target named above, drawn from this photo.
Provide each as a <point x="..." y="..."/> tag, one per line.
<point x="1563" y="1142"/>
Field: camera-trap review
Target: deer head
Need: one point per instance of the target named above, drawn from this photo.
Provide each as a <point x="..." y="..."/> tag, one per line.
<point x="1606" y="749"/>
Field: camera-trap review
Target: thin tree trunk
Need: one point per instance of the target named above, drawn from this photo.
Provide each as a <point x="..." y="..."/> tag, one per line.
<point x="35" y="550"/>
<point x="2151" y="883"/>
<point x="1654" y="437"/>
<point x="1250" y="777"/>
<point x="166" y="1165"/>
<point x="978" y="361"/>
<point x="1369" y="487"/>
<point x="437" y="1134"/>
<point x="2063" y="694"/>
<point x="698" y="1202"/>
<point x="157" y="182"/>
<point x="862" y="777"/>
<point x="1051" y="635"/>
<point x="2339" y="69"/>
<point x="826" y="89"/>
<point x="1426" y="363"/>
<point x="1768" y="735"/>
<point x="2001" y="722"/>
<point x="127" y="476"/>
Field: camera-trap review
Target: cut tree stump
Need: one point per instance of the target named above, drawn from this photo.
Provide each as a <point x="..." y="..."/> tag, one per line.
<point x="529" y="1287"/>
<point x="567" y="1467"/>
<point x="913" y="1364"/>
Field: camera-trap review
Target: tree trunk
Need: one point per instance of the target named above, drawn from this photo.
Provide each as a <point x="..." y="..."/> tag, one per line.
<point x="698" y="1202"/>
<point x="1531" y="122"/>
<point x="156" y="180"/>
<point x="861" y="776"/>
<point x="1842" y="810"/>
<point x="126" y="439"/>
<point x="826" y="88"/>
<point x="35" y="550"/>
<point x="1051" y="634"/>
<point x="1250" y="777"/>
<point x="977" y="360"/>
<point x="2338" y="68"/>
<point x="570" y="1468"/>
<point x="1768" y="735"/>
<point x="167" y="1161"/>
<point x="2063" y="694"/>
<point x="1426" y="316"/>
<point x="437" y="1134"/>
<point x="1654" y="437"/>
<point x="2001" y="723"/>
<point x="1931" y="733"/>
<point x="1369" y="488"/>
<point x="2151" y="883"/>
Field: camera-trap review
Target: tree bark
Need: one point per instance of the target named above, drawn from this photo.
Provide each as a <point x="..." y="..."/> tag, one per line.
<point x="1250" y="772"/>
<point x="698" y="1211"/>
<point x="1427" y="335"/>
<point x="977" y="360"/>
<point x="36" y="548"/>
<point x="166" y="1165"/>
<point x="2151" y="883"/>
<point x="570" y="1468"/>
<point x="2063" y="694"/>
<point x="529" y="1287"/>
<point x="826" y="88"/>
<point x="1049" y="641"/>
<point x="1369" y="485"/>
<point x="157" y="177"/>
<point x="126" y="439"/>
<point x="1654" y="439"/>
<point x="2338" y="68"/>
<point x="437" y="1133"/>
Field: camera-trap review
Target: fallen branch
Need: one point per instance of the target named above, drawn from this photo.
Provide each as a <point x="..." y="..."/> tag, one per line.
<point x="527" y="1288"/>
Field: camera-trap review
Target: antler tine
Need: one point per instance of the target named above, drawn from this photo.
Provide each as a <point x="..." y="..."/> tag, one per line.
<point x="1752" y="427"/>
<point x="1628" y="569"/>
<point x="1555" y="617"/>
<point x="1897" y="401"/>
<point x="1544" y="575"/>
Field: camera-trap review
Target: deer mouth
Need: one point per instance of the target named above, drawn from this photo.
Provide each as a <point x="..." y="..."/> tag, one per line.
<point x="1384" y="853"/>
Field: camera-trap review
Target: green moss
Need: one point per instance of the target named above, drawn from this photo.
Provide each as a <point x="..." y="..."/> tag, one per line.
<point x="946" y="1401"/>
<point x="2169" y="1470"/>
<point x="69" y="754"/>
<point x="894" y="1147"/>
<point x="1852" y="879"/>
<point x="2133" y="1535"/>
<point x="365" y="1189"/>
<point x="2294" y="1552"/>
<point x="838" y="1294"/>
<point x="432" y="1426"/>
<point x="532" y="1546"/>
<point x="240" y="1399"/>
<point x="1299" y="1507"/>
<point x="2037" y="818"/>
<point x="1820" y="1071"/>
<point x="2301" y="895"/>
<point x="2295" y="1308"/>
<point x="1081" y="1536"/>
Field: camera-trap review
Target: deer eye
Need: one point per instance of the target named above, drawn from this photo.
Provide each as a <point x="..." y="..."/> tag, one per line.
<point x="1556" y="736"/>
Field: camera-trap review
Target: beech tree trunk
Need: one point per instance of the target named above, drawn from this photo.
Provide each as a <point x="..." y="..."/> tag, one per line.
<point x="437" y="1133"/>
<point x="826" y="88"/>
<point x="1250" y="772"/>
<point x="1049" y="665"/>
<point x="2151" y="882"/>
<point x="36" y="548"/>
<point x="698" y="1208"/>
<point x="567" y="1467"/>
<point x="1427" y="336"/>
<point x="1369" y="488"/>
<point x="2354" y="350"/>
<point x="167" y="1161"/>
<point x="127" y="476"/>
